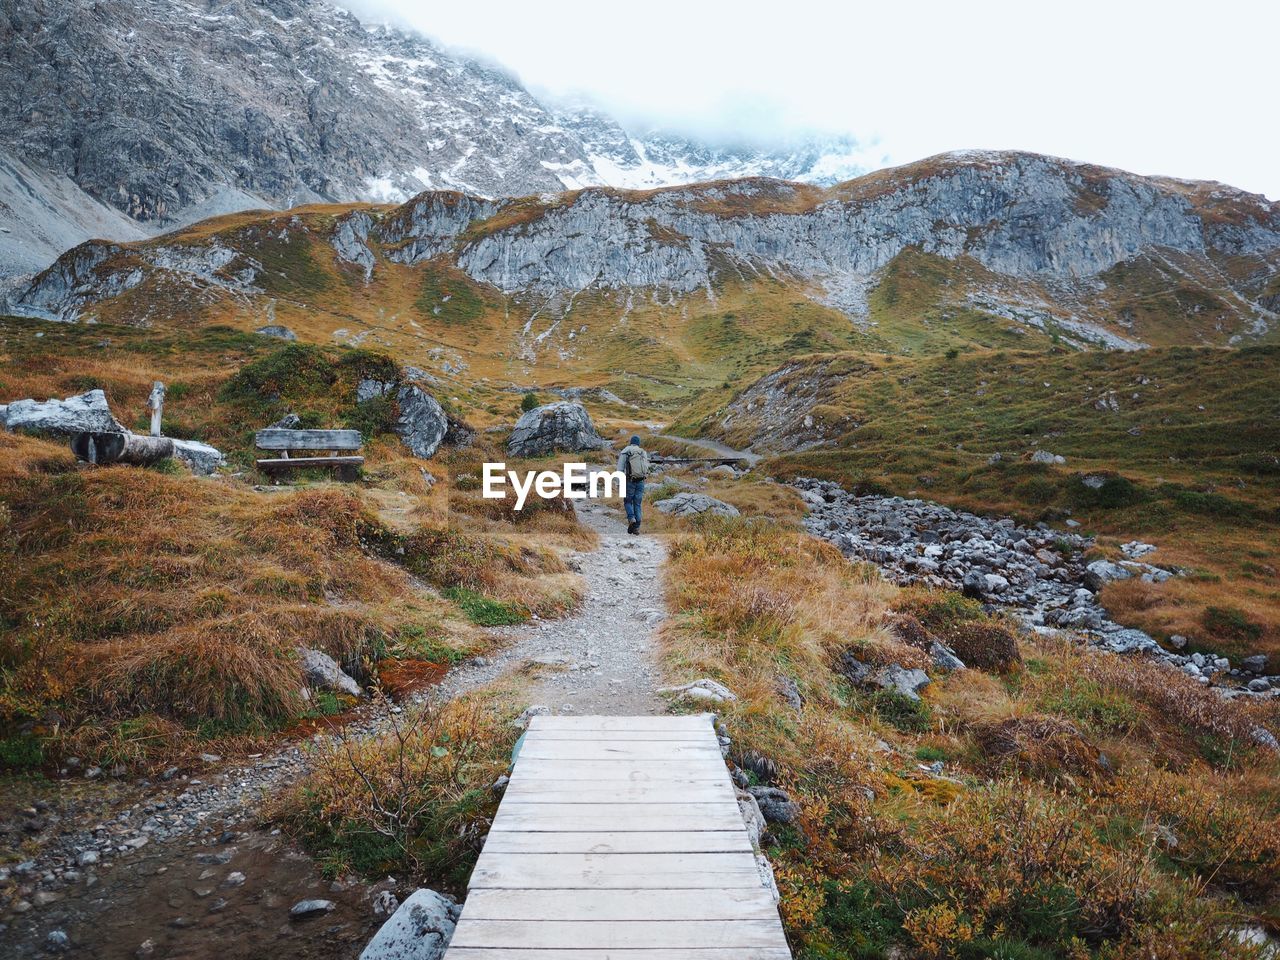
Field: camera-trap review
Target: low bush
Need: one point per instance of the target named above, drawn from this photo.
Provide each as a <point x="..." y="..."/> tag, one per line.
<point x="417" y="798"/>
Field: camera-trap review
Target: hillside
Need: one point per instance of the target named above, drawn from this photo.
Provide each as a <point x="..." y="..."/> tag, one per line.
<point x="1177" y="447"/>
<point x="990" y="250"/>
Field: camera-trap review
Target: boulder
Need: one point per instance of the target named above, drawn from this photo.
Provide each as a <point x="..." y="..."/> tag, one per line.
<point x="944" y="658"/>
<point x="419" y="930"/>
<point x="200" y="457"/>
<point x="369" y="388"/>
<point x="1130" y="641"/>
<point x="322" y="672"/>
<point x="277" y="331"/>
<point x="562" y="426"/>
<point x="901" y="681"/>
<point x="1044" y="456"/>
<point x="775" y="804"/>
<point x="1255" y="664"/>
<point x="422" y="423"/>
<point x="85" y="413"/>
<point x="1104" y="571"/>
<point x="690" y="504"/>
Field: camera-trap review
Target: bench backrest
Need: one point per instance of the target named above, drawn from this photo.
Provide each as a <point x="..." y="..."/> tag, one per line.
<point x="276" y="439"/>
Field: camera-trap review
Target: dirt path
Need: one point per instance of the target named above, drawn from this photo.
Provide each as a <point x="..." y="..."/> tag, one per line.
<point x="603" y="659"/>
<point x="715" y="448"/>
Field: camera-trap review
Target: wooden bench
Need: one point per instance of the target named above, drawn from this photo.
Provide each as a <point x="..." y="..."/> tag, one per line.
<point x="332" y="442"/>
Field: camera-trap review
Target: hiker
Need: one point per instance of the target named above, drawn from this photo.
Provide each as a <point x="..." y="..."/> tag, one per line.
<point x="634" y="464"/>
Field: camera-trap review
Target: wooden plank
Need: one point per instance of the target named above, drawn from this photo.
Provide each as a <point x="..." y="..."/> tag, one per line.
<point x="633" y="771"/>
<point x="274" y="438"/>
<point x="624" y="736"/>
<point x="293" y="463"/>
<point x="616" y="871"/>
<point x="676" y="792"/>
<point x="618" y="838"/>
<point x="624" y="953"/>
<point x="613" y="841"/>
<point x="681" y="934"/>
<point x="623" y="817"/>
<point x="610" y="750"/>
<point x="692" y="721"/>
<point x="631" y="904"/>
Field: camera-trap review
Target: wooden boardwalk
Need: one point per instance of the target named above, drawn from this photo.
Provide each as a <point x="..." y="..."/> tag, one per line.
<point x="618" y="838"/>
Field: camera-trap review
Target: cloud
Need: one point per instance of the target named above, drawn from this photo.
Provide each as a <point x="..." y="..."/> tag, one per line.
<point x="1177" y="90"/>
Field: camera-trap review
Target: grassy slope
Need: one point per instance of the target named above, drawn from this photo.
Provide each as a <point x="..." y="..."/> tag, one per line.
<point x="1192" y="442"/>
<point x="1090" y="806"/>
<point x="146" y="611"/>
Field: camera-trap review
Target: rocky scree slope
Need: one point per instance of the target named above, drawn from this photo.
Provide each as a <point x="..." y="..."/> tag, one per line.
<point x="1041" y="574"/>
<point x="1041" y="239"/>
<point x="169" y="111"/>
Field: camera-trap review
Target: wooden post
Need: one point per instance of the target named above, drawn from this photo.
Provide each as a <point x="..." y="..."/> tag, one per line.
<point x="156" y="403"/>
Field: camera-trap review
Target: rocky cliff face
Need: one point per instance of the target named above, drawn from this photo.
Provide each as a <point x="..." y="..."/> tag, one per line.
<point x="1054" y="226"/>
<point x="138" y="115"/>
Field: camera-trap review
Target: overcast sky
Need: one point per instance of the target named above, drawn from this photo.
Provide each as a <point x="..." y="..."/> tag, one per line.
<point x="1182" y="89"/>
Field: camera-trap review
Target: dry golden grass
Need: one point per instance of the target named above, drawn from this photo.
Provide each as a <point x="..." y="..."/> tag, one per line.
<point x="147" y="612"/>
<point x="1060" y="773"/>
<point x="418" y="797"/>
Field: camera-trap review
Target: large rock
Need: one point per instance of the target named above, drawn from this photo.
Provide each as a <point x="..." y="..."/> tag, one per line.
<point x="422" y="423"/>
<point x="775" y="804"/>
<point x="277" y="331"/>
<point x="85" y="413"/>
<point x="322" y="672"/>
<point x="563" y="426"/>
<point x="419" y="930"/>
<point x="1104" y="571"/>
<point x="691" y="504"/>
<point x="200" y="457"/>
<point x="900" y="680"/>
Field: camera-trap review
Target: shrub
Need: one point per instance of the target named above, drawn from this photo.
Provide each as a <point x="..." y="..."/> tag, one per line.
<point x="529" y="402"/>
<point x="984" y="644"/>
<point x="1231" y="624"/>
<point x="1114" y="491"/>
<point x="907" y="714"/>
<point x="1040" y="743"/>
<point x="417" y="797"/>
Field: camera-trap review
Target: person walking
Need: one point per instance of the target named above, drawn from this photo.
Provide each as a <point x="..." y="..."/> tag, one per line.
<point x="634" y="464"/>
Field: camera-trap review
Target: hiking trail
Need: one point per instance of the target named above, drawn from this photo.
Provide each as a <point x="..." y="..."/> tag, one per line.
<point x="603" y="658"/>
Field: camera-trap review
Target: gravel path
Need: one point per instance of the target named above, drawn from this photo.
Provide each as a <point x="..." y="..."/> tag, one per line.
<point x="603" y="659"/>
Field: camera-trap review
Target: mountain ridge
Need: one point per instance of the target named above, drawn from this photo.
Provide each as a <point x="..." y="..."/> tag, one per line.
<point x="1092" y="255"/>
<point x="167" y="111"/>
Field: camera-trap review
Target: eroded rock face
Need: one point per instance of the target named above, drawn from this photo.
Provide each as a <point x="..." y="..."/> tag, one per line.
<point x="419" y="930"/>
<point x="351" y="241"/>
<point x="691" y="504"/>
<point x="562" y="427"/>
<point x="85" y="413"/>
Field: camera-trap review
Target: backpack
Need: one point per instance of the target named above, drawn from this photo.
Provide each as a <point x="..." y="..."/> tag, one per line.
<point x="637" y="464"/>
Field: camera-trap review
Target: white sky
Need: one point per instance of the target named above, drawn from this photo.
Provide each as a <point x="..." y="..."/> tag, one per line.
<point x="1174" y="88"/>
